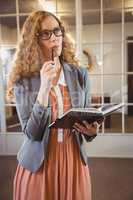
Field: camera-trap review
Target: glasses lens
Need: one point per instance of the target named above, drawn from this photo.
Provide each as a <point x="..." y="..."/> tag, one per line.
<point x="57" y="32"/>
<point x="45" y="34"/>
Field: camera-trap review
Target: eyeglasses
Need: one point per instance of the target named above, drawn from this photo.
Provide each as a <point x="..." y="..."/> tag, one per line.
<point x="46" y="34"/>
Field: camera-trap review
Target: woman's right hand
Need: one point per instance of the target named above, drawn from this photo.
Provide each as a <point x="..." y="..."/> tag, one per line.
<point x="47" y="74"/>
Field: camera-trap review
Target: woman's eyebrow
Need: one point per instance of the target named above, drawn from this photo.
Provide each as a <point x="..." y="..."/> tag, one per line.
<point x="50" y="29"/>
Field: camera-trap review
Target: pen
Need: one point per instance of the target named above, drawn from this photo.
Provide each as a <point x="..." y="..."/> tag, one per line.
<point x="52" y="54"/>
<point x="52" y="57"/>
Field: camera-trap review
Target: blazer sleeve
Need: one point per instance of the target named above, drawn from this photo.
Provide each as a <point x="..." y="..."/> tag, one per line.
<point x="33" y="118"/>
<point x="87" y="100"/>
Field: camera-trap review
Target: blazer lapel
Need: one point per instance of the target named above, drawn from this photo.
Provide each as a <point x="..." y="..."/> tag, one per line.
<point x="75" y="90"/>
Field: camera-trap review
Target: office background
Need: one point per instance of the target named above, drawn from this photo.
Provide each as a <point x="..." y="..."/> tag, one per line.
<point x="103" y="29"/>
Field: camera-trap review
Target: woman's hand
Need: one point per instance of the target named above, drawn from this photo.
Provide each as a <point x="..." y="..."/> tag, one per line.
<point x="47" y="73"/>
<point x="90" y="129"/>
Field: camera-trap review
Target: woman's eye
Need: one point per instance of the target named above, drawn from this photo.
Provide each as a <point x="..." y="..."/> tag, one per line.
<point x="46" y="33"/>
<point x="57" y="30"/>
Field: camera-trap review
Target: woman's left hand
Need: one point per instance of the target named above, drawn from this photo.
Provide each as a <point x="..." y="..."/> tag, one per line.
<point x="90" y="129"/>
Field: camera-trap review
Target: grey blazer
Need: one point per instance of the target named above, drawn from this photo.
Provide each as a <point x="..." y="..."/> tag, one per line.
<point x="35" y="118"/>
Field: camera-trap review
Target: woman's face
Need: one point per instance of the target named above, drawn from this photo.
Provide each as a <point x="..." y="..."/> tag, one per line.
<point x="50" y="37"/>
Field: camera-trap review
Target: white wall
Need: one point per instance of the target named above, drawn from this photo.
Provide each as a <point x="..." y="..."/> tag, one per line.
<point x="107" y="145"/>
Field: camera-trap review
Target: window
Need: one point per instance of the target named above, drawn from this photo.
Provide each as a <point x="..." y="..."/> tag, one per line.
<point x="106" y="28"/>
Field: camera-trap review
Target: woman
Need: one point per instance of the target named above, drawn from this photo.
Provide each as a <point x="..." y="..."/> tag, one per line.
<point x="52" y="163"/>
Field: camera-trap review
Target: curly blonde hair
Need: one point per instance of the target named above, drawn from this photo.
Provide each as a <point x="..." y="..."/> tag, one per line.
<point x="28" y="58"/>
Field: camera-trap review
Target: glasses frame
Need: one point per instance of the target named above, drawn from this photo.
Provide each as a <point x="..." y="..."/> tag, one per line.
<point x="39" y="34"/>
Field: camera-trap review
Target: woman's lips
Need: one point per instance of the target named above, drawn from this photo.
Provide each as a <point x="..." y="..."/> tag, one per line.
<point x="55" y="47"/>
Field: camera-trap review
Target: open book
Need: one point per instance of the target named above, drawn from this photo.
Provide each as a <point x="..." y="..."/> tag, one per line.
<point x="89" y="114"/>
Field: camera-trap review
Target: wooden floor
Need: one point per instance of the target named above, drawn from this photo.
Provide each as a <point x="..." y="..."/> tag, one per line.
<point x="112" y="179"/>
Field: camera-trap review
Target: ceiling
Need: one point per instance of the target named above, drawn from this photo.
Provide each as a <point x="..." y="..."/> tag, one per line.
<point x="90" y="10"/>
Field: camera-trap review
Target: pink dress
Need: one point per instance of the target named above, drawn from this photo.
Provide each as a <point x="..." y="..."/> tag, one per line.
<point x="63" y="176"/>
